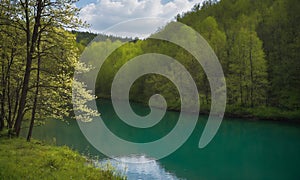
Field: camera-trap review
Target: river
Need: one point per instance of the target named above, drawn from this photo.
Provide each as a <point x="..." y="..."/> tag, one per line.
<point x="242" y="149"/>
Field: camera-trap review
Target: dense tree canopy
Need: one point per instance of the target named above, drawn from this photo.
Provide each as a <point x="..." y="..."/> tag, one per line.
<point x="255" y="41"/>
<point x="273" y="33"/>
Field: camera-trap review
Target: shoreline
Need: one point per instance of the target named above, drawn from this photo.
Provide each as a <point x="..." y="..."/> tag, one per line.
<point x="244" y="115"/>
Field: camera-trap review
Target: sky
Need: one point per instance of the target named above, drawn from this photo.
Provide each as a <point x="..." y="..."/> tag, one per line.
<point x="131" y="18"/>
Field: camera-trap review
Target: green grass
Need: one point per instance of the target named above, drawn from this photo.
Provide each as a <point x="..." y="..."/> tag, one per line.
<point x="34" y="160"/>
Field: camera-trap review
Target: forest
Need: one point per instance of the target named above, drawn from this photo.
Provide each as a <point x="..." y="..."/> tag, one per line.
<point x="257" y="43"/>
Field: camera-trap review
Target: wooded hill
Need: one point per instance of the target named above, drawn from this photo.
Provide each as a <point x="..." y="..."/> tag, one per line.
<point x="257" y="43"/>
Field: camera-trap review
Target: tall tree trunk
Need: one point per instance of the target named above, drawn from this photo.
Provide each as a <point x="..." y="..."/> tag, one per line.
<point x="251" y="72"/>
<point x="30" y="52"/>
<point x="36" y="92"/>
<point x="3" y="84"/>
<point x="9" y="103"/>
<point x="17" y="93"/>
<point x="8" y="83"/>
<point x="1" y="124"/>
<point x="206" y="88"/>
<point x="241" y="90"/>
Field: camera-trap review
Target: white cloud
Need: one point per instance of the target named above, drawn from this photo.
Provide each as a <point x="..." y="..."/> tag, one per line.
<point x="106" y="13"/>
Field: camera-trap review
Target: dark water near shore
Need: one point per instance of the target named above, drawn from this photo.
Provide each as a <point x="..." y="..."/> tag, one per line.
<point x="242" y="149"/>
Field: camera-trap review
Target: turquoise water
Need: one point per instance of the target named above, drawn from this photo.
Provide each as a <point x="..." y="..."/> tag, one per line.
<point x="242" y="149"/>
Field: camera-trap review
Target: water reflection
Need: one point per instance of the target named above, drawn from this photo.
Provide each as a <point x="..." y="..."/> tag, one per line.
<point x="241" y="149"/>
<point x="147" y="169"/>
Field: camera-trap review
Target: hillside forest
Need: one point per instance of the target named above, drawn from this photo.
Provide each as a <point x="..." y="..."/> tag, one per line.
<point x="257" y="43"/>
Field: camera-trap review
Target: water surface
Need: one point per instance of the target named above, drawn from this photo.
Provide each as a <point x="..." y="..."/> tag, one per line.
<point x="242" y="149"/>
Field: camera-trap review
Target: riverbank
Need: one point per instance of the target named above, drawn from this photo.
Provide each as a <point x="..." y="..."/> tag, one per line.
<point x="256" y="113"/>
<point x="263" y="113"/>
<point x="35" y="160"/>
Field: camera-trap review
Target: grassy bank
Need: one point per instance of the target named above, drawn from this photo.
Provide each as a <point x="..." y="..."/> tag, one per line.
<point x="34" y="160"/>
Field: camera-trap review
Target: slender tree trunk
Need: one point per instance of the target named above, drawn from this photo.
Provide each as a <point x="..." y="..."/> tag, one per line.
<point x="1" y="123"/>
<point x="251" y="72"/>
<point x="241" y="90"/>
<point x="3" y="84"/>
<point x="36" y="92"/>
<point x="206" y="89"/>
<point x="9" y="102"/>
<point x="17" y="92"/>
<point x="30" y="52"/>
<point x="8" y="82"/>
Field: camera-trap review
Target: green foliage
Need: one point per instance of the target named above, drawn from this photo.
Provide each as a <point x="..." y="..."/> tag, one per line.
<point x="256" y="42"/>
<point x="280" y="33"/>
<point x="38" y="59"/>
<point x="247" y="70"/>
<point x="84" y="38"/>
<point x="35" y="160"/>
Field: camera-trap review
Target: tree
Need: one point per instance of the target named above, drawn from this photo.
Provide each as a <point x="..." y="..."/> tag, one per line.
<point x="50" y="89"/>
<point x="280" y="32"/>
<point x="42" y="82"/>
<point x="209" y="29"/>
<point x="34" y="18"/>
<point x="12" y="48"/>
<point x="248" y="69"/>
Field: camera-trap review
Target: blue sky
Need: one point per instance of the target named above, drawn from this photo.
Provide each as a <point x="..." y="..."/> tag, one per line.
<point x="82" y="3"/>
<point x="103" y="14"/>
